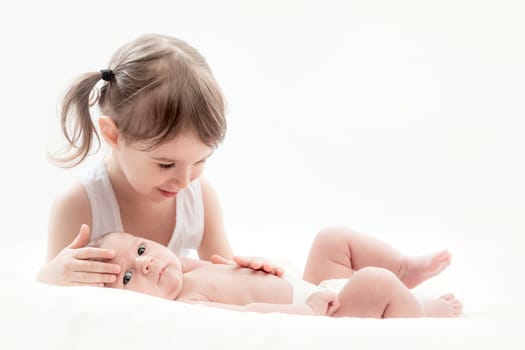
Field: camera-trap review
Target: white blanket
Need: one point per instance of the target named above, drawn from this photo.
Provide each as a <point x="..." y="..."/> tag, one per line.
<point x="39" y="316"/>
<point x="49" y="317"/>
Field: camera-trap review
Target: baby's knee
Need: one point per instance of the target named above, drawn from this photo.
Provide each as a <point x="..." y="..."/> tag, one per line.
<point x="378" y="277"/>
<point x="334" y="235"/>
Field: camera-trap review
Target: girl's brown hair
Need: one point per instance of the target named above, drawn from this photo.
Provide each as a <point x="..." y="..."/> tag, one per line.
<point x="160" y="86"/>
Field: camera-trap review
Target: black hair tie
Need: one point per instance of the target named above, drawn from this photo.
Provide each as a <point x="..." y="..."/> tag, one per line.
<point x="107" y="74"/>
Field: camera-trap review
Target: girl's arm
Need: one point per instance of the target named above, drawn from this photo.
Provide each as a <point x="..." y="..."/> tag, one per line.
<point x="250" y="262"/>
<point x="69" y="210"/>
<point x="214" y="239"/>
<point x="215" y="246"/>
<point x="69" y="262"/>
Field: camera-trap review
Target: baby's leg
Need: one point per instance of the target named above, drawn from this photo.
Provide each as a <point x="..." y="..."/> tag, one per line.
<point x="377" y="293"/>
<point x="338" y="251"/>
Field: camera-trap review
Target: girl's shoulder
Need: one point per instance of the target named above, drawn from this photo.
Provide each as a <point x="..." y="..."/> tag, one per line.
<point x="206" y="188"/>
<point x="69" y="210"/>
<point x="72" y="198"/>
<point x="72" y="191"/>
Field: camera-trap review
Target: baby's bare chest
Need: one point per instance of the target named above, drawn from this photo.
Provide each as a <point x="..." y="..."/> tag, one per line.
<point x="239" y="286"/>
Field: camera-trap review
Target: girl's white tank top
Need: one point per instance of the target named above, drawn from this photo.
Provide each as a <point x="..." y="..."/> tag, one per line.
<point x="105" y="212"/>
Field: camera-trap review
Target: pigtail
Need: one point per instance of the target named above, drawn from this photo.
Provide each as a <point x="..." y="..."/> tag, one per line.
<point x="158" y="87"/>
<point x="76" y="122"/>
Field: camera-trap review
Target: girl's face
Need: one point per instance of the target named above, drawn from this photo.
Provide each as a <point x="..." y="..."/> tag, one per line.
<point x="146" y="266"/>
<point x="163" y="171"/>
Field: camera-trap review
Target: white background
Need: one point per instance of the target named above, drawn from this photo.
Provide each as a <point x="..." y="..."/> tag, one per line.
<point x="403" y="119"/>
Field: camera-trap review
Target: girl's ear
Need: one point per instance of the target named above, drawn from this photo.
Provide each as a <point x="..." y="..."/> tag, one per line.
<point x="109" y="130"/>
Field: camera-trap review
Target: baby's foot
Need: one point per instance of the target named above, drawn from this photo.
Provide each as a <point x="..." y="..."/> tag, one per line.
<point x="444" y="306"/>
<point x="417" y="269"/>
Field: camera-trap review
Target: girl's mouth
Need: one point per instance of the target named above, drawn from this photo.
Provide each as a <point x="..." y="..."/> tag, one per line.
<point x="167" y="194"/>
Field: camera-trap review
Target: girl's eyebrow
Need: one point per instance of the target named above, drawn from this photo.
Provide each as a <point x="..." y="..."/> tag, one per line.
<point x="169" y="160"/>
<point x="163" y="159"/>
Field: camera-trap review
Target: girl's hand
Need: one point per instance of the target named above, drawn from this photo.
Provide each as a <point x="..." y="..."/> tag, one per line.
<point x="254" y="263"/>
<point x="324" y="302"/>
<point x="75" y="264"/>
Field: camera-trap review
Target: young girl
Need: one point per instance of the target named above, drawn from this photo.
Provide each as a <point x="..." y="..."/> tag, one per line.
<point x="162" y="117"/>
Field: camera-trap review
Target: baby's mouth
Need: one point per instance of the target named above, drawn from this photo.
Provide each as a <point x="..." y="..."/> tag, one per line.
<point x="161" y="272"/>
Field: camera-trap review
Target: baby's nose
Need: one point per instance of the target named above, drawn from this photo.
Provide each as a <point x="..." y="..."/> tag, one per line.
<point x="145" y="263"/>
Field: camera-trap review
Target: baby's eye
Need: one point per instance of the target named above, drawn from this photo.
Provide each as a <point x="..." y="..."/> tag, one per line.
<point x="141" y="250"/>
<point x="127" y="277"/>
<point x="166" y="166"/>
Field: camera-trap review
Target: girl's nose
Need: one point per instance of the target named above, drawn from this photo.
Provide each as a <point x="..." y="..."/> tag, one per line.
<point x="182" y="181"/>
<point x="144" y="263"/>
<point x="182" y="177"/>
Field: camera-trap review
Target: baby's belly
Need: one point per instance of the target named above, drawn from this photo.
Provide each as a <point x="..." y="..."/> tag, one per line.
<point x="246" y="286"/>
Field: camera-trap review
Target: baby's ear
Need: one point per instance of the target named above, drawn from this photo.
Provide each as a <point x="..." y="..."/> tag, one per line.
<point x="109" y="130"/>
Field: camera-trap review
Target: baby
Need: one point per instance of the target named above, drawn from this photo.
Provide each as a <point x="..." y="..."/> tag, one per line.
<point x="151" y="268"/>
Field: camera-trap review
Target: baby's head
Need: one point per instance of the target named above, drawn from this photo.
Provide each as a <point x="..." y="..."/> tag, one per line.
<point x="146" y="266"/>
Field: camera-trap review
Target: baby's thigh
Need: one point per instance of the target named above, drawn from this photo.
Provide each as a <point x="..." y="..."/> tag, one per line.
<point x="367" y="293"/>
<point x="329" y="257"/>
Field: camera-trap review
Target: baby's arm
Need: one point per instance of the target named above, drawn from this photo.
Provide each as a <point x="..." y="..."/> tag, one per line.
<point x="323" y="303"/>
<point x="298" y="309"/>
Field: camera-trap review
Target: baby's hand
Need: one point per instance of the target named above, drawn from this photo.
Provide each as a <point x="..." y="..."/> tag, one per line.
<point x="324" y="302"/>
<point x="254" y="263"/>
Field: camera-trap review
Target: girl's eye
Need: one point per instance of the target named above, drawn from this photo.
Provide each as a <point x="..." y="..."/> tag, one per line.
<point x="141" y="250"/>
<point x="127" y="277"/>
<point x="166" y="166"/>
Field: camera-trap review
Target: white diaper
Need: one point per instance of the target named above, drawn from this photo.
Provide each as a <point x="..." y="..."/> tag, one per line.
<point x="303" y="289"/>
<point x="334" y="284"/>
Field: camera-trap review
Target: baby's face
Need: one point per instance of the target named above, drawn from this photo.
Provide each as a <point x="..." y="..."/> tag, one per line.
<point x="146" y="266"/>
